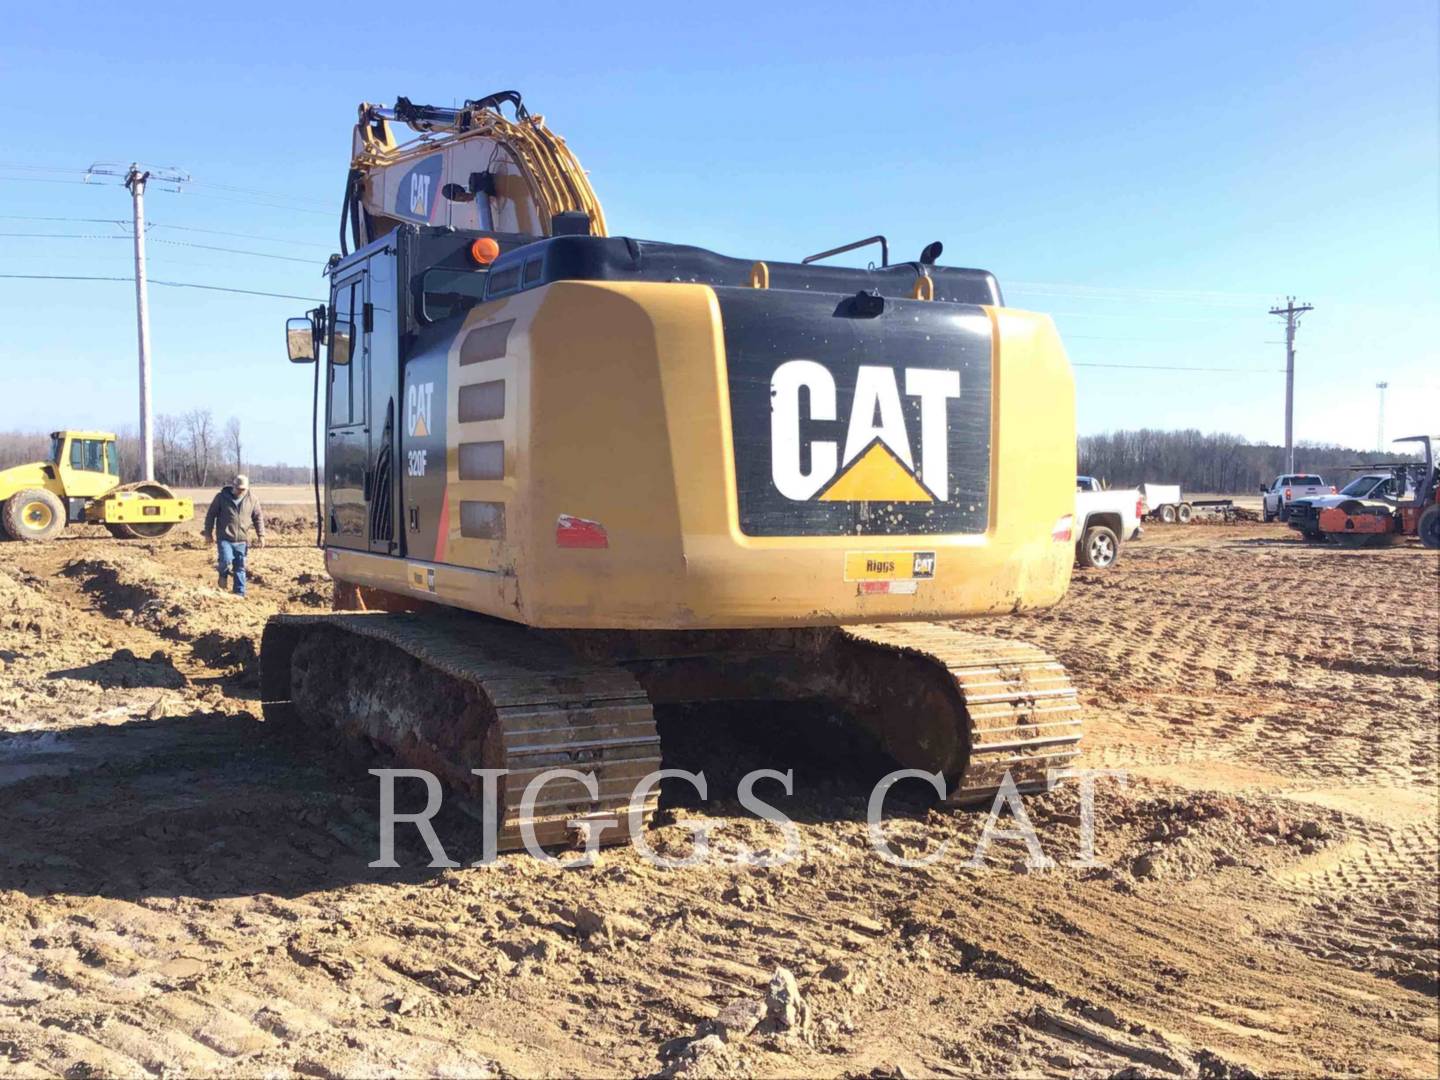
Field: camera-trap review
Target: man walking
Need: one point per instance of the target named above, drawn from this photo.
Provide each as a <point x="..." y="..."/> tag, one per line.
<point x="234" y="511"/>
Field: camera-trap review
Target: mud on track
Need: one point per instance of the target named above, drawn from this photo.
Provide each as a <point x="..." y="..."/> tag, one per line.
<point x="181" y="891"/>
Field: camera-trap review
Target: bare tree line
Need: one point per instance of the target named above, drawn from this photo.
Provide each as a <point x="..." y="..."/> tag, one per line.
<point x="1200" y="462"/>
<point x="191" y="450"/>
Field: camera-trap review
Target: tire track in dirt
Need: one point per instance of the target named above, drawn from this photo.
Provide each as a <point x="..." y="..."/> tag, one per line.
<point x="194" y="896"/>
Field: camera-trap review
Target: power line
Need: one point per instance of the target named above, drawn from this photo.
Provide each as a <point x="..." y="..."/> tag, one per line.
<point x="273" y="202"/>
<point x="244" y="292"/>
<point x="264" y="194"/>
<point x="69" y="236"/>
<point x="153" y="281"/>
<point x="162" y="240"/>
<point x="1115" y="337"/>
<point x="44" y="180"/>
<point x="150" y="225"/>
<point x="83" y="220"/>
<point x="1177" y="367"/>
<point x="240" y="236"/>
<point x="237" y="251"/>
<point x="40" y="168"/>
<point x="270" y="204"/>
<point x="1122" y="292"/>
<point x="1147" y="316"/>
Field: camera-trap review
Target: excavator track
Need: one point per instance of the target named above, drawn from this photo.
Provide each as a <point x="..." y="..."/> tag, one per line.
<point x="451" y="694"/>
<point x="1021" y="710"/>
<point x="934" y="697"/>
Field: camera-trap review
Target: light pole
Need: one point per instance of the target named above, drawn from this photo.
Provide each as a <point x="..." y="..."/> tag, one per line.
<point x="1380" y="434"/>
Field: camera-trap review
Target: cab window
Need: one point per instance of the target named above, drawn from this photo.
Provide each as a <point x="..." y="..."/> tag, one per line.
<point x="112" y="460"/>
<point x="345" y="389"/>
<point x="445" y="292"/>
<point x="87" y="455"/>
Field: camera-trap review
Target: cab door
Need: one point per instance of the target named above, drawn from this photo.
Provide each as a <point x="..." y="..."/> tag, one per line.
<point x="87" y="470"/>
<point x="382" y="343"/>
<point x="347" y="435"/>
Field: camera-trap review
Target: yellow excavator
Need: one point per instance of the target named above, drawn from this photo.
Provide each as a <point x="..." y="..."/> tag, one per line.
<point x="568" y="477"/>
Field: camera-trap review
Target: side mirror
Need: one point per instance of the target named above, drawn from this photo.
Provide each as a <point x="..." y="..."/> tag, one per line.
<point x="300" y="340"/>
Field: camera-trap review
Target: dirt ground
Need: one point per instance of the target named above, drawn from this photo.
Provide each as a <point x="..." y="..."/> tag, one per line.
<point x="182" y="891"/>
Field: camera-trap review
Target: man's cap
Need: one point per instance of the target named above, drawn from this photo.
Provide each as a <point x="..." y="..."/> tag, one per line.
<point x="241" y="482"/>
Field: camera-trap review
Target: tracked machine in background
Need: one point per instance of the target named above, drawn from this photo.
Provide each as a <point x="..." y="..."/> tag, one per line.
<point x="569" y="477"/>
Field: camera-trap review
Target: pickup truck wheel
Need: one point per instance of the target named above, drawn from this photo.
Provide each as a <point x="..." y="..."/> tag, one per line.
<point x="1183" y="513"/>
<point x="1429" y="527"/>
<point x="34" y="514"/>
<point x="1099" y="548"/>
<point x="1167" y="514"/>
<point x="1265" y="514"/>
<point x="1283" y="513"/>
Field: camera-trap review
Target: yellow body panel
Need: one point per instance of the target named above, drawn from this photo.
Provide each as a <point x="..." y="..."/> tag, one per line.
<point x="618" y="413"/>
<point x="33" y="475"/>
<point x="131" y="508"/>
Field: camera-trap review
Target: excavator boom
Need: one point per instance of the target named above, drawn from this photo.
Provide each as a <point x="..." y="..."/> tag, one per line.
<point x="468" y="168"/>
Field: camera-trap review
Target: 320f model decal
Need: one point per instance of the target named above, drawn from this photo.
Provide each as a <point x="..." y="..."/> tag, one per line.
<point x="830" y="439"/>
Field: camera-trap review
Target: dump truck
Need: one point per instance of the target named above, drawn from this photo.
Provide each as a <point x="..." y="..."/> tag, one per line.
<point x="79" y="484"/>
<point x="568" y="478"/>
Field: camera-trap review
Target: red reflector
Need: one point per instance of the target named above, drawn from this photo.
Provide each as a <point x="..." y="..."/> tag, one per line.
<point x="904" y="587"/>
<point x="573" y="532"/>
<point x="1064" y="529"/>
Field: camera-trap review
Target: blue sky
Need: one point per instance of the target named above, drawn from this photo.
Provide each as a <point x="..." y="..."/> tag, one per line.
<point x="1156" y="176"/>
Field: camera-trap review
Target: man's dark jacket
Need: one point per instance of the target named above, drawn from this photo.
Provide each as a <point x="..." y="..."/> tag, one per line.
<point x="231" y="518"/>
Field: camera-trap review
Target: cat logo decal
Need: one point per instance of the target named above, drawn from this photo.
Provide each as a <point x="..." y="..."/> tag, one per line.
<point x="881" y="459"/>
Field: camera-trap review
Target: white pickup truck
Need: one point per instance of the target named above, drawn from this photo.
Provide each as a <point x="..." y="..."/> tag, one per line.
<point x="1275" y="500"/>
<point x="1103" y="521"/>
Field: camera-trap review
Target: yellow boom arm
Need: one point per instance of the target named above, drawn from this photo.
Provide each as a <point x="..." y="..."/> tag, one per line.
<point x="469" y="168"/>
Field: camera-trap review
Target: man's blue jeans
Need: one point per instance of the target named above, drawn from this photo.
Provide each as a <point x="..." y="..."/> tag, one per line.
<point x="232" y="561"/>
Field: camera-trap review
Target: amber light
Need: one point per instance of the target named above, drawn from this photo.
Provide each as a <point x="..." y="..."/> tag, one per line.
<point x="484" y="251"/>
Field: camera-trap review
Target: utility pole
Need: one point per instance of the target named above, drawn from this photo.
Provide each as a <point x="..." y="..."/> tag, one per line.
<point x="1380" y="434"/>
<point x="135" y="179"/>
<point x="1292" y="315"/>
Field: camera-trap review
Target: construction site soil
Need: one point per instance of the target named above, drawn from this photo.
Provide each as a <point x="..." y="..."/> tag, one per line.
<point x="185" y="891"/>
